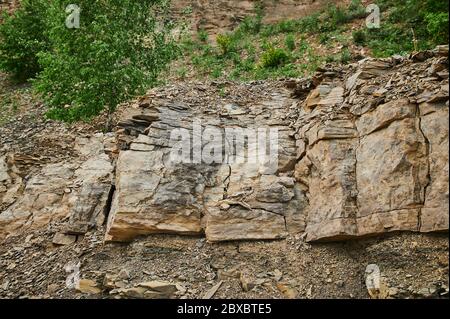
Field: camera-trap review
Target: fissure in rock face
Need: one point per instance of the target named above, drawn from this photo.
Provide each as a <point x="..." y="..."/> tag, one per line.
<point x="362" y="150"/>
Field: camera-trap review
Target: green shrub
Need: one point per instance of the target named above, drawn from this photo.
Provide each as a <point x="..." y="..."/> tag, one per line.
<point x="337" y="15"/>
<point x="22" y="38"/>
<point x="251" y="24"/>
<point x="254" y="23"/>
<point x="324" y="38"/>
<point x="428" y="19"/>
<point x="356" y="10"/>
<point x="274" y="57"/>
<point x="437" y="26"/>
<point x="203" y="35"/>
<point x="108" y="60"/>
<point x="346" y="56"/>
<point x="359" y="37"/>
<point x="225" y="43"/>
<point x="289" y="42"/>
<point x="310" y="23"/>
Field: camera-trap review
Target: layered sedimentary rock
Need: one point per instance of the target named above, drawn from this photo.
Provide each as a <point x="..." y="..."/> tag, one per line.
<point x="77" y="190"/>
<point x="360" y="150"/>
<point x="371" y="156"/>
<point x="227" y="200"/>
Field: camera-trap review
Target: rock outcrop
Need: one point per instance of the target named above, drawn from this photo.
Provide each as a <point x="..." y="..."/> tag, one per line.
<point x="362" y="150"/>
<point x="372" y="141"/>
<point x="227" y="201"/>
<point x="77" y="190"/>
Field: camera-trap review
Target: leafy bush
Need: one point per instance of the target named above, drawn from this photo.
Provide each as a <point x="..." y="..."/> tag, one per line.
<point x="108" y="60"/>
<point x="274" y="57"/>
<point x="337" y="15"/>
<point x="203" y="35"/>
<point x="310" y="23"/>
<point x="437" y="26"/>
<point x="22" y="38"/>
<point x="359" y="37"/>
<point x="346" y="56"/>
<point x="356" y="10"/>
<point x="289" y="41"/>
<point x="225" y="43"/>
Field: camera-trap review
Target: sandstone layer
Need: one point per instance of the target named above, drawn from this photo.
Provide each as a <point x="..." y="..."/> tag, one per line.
<point x="362" y="150"/>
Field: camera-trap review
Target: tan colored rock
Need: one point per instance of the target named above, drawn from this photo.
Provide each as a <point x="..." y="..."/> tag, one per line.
<point x="330" y="167"/>
<point x="384" y="115"/>
<point x="434" y="125"/>
<point x="146" y="202"/>
<point x="43" y="200"/>
<point x="388" y="174"/>
<point x="240" y="224"/>
<point x="391" y="178"/>
<point x="162" y="287"/>
<point x="87" y="286"/>
<point x="287" y="291"/>
<point x="90" y="201"/>
<point x="63" y="239"/>
<point x="78" y="189"/>
<point x="4" y="176"/>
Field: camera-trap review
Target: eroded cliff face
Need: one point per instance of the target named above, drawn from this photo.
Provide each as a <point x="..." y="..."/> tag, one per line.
<point x="362" y="150"/>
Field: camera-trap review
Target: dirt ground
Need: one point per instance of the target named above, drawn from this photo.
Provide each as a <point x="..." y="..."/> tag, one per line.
<point x="412" y="265"/>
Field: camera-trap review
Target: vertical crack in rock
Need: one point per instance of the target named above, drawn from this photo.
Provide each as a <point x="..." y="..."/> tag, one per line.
<point x="108" y="205"/>
<point x="427" y="143"/>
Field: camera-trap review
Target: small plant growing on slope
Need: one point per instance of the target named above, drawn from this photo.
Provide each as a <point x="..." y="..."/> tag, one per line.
<point x="274" y="57"/>
<point x="359" y="37"/>
<point x="225" y="43"/>
<point x="290" y="42"/>
<point x="203" y="35"/>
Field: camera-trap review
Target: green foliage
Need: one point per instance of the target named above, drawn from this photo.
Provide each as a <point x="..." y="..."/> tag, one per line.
<point x="346" y="56"/>
<point x="428" y="19"/>
<point x="187" y="10"/>
<point x="252" y="24"/>
<point x="274" y="57"/>
<point x="257" y="51"/>
<point x="203" y="35"/>
<point x="337" y="15"/>
<point x="356" y="10"/>
<point x="437" y="26"/>
<point x="108" y="60"/>
<point x="225" y="43"/>
<point x="289" y="42"/>
<point x="182" y="72"/>
<point x="359" y="37"/>
<point x="21" y="38"/>
<point x="310" y="23"/>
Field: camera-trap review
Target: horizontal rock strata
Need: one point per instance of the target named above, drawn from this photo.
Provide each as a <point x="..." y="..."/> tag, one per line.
<point x="362" y="150"/>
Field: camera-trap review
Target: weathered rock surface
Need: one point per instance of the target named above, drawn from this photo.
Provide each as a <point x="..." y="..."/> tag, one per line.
<point x="359" y="155"/>
<point x="77" y="190"/>
<point x="226" y="201"/>
<point x="362" y="150"/>
<point x="370" y="161"/>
